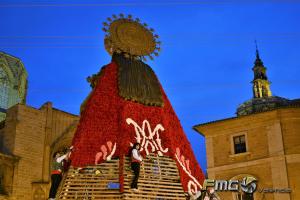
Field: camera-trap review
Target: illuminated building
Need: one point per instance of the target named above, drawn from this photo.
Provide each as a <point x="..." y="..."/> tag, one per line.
<point x="263" y="141"/>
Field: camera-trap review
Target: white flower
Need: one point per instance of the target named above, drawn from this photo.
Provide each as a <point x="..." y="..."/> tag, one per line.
<point x="151" y="140"/>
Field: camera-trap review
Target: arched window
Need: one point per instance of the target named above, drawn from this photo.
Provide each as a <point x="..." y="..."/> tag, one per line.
<point x="241" y="195"/>
<point x="244" y="196"/>
<point x="264" y="91"/>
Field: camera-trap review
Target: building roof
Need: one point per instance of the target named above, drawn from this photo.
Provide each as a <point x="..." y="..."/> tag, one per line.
<point x="292" y="104"/>
<point x="256" y="105"/>
<point x="14" y="63"/>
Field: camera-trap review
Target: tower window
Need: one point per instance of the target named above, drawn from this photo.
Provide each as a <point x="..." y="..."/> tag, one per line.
<point x="239" y="144"/>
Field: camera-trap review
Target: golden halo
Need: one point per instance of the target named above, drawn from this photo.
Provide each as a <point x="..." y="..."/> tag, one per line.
<point x="130" y="37"/>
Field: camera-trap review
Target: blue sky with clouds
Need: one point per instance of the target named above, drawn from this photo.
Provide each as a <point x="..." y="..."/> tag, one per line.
<point x="207" y="53"/>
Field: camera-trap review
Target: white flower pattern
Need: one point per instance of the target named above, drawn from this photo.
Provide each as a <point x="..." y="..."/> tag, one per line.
<point x="151" y="140"/>
<point x="193" y="184"/>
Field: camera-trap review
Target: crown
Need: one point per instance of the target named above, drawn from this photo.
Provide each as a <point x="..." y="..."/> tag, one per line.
<point x="130" y="37"/>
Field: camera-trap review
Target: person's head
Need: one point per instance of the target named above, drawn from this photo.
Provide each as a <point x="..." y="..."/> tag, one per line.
<point x="56" y="154"/>
<point x="136" y="146"/>
<point x="211" y="190"/>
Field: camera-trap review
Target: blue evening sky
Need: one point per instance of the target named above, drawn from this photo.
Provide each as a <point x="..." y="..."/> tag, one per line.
<point x="207" y="53"/>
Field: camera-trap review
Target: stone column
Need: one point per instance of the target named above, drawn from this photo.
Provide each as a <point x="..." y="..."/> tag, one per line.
<point x="48" y="130"/>
<point x="210" y="156"/>
<point x="278" y="163"/>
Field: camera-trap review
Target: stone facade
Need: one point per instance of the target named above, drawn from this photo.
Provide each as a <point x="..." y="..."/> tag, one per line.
<point x="272" y="151"/>
<point x="29" y="138"/>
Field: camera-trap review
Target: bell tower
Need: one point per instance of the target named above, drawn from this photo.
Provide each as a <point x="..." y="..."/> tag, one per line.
<point x="261" y="84"/>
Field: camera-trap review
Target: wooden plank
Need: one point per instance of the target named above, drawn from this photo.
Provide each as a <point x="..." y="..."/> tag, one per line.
<point x="159" y="179"/>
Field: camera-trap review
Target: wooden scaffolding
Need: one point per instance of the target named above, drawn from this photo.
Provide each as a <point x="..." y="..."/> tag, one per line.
<point x="159" y="179"/>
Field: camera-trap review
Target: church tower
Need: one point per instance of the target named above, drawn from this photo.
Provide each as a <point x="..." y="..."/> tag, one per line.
<point x="263" y="99"/>
<point x="261" y="84"/>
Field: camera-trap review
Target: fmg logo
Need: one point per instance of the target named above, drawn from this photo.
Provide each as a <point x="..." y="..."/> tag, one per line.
<point x="248" y="185"/>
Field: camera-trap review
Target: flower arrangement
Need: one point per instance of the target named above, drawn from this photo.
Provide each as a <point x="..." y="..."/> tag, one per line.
<point x="103" y="129"/>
